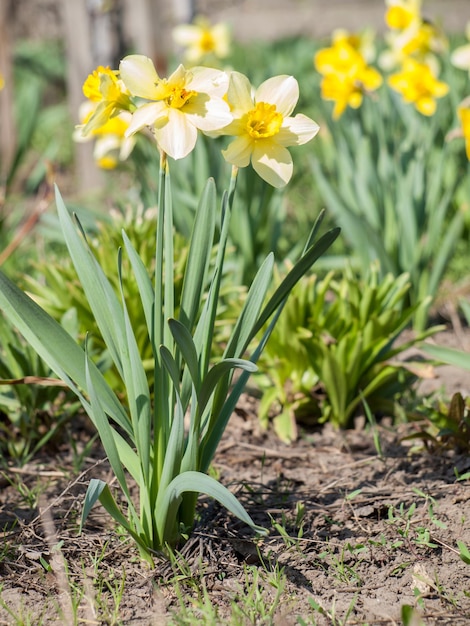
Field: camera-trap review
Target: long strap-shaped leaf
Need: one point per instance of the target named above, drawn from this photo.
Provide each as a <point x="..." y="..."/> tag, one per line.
<point x="103" y="301"/>
<point x="99" y="490"/>
<point x="202" y="483"/>
<point x="274" y="306"/>
<point x="57" y="348"/>
<point x="300" y="268"/>
<point x="202" y="239"/>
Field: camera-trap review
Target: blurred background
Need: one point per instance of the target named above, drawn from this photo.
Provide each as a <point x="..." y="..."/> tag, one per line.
<point x="55" y="44"/>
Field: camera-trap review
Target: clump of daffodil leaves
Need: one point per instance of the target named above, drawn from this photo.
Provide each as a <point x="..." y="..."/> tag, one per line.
<point x="163" y="434"/>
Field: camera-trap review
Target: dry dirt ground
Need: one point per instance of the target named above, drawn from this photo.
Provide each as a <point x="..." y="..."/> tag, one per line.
<point x="358" y="528"/>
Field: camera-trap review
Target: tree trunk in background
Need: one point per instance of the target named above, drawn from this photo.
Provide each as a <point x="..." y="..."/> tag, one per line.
<point x="80" y="62"/>
<point x="100" y="33"/>
<point x="7" y="118"/>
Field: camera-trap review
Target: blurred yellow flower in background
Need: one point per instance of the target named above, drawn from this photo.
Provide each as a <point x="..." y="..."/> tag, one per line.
<point x="264" y="128"/>
<point x="410" y="36"/>
<point x="109" y="94"/>
<point x="464" y="117"/>
<point x="180" y="105"/>
<point x="346" y="75"/>
<point x="202" y="40"/>
<point x="111" y="143"/>
<point x="363" y="42"/>
<point x="402" y="13"/>
<point x="418" y="85"/>
<point x="2" y="82"/>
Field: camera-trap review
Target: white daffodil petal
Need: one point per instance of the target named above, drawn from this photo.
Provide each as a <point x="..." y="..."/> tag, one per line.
<point x="297" y="130"/>
<point x="235" y="128"/>
<point x="273" y="163"/>
<point x="127" y="145"/>
<point x="239" y="151"/>
<point x="178" y="136"/>
<point x="106" y="144"/>
<point x="139" y="75"/>
<point x="180" y="75"/>
<point x="283" y="91"/>
<point x="460" y="57"/>
<point x="208" y="80"/>
<point x="239" y="94"/>
<point x="146" y="115"/>
<point x="208" y="114"/>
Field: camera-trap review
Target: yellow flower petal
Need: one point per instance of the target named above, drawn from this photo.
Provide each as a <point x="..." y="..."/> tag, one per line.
<point x="426" y="106"/>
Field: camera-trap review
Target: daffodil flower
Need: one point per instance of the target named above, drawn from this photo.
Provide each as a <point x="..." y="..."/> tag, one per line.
<point x="402" y="13"/>
<point x="201" y="40"/>
<point x="346" y="75"/>
<point x="109" y="95"/>
<point x="264" y="128"/>
<point x="421" y="41"/>
<point x="111" y="144"/>
<point x="2" y="82"/>
<point x="410" y="36"/>
<point x="187" y="101"/>
<point x="363" y="42"/>
<point x="418" y="85"/>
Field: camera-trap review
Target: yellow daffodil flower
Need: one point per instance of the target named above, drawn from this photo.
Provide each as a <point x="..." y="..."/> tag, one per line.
<point x="464" y="116"/>
<point x="460" y="57"/>
<point x="2" y="82"/>
<point x="362" y="42"/>
<point x="187" y="101"/>
<point x="111" y="144"/>
<point x="264" y="128"/>
<point x="346" y="76"/>
<point x="410" y="36"/>
<point x="108" y="93"/>
<point x="401" y="14"/>
<point x="418" y="85"/>
<point x="421" y="40"/>
<point x="202" y="40"/>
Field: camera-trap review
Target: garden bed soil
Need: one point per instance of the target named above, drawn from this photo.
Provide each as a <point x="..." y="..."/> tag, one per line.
<point x="361" y="524"/>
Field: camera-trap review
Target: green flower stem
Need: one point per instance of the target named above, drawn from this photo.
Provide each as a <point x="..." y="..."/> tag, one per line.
<point x="160" y="426"/>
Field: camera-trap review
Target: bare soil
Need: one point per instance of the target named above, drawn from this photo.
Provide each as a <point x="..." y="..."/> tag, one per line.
<point x="378" y="531"/>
